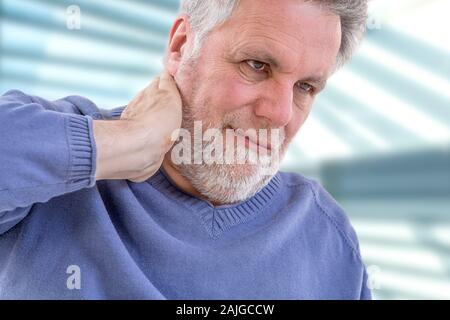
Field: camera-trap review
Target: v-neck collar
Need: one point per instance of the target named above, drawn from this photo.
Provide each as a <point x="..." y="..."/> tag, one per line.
<point x="217" y="219"/>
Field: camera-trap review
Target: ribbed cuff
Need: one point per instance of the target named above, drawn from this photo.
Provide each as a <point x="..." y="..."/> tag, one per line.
<point x="82" y="151"/>
<point x="113" y="113"/>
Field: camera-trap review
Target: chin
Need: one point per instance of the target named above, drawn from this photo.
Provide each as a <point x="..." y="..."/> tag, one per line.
<point x="227" y="184"/>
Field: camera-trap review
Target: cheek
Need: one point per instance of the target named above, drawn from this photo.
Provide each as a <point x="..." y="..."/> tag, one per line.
<point x="233" y="92"/>
<point x="298" y="119"/>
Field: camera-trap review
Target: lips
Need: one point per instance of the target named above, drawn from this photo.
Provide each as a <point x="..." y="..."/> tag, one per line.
<point x="249" y="139"/>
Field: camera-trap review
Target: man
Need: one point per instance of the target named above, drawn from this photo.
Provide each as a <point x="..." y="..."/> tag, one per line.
<point x="97" y="204"/>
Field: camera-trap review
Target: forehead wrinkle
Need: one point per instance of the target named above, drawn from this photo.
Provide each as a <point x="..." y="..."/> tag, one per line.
<point x="279" y="40"/>
<point x="265" y="29"/>
<point x="287" y="50"/>
<point x="281" y="55"/>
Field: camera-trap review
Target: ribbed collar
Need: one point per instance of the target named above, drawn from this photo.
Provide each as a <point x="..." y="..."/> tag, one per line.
<point x="220" y="218"/>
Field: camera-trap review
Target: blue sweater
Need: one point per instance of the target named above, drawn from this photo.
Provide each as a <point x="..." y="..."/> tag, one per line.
<point x="65" y="236"/>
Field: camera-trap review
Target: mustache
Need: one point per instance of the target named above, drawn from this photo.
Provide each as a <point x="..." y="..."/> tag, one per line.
<point x="235" y="122"/>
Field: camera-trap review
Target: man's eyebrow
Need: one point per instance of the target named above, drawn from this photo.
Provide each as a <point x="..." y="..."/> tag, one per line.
<point x="321" y="81"/>
<point x="264" y="56"/>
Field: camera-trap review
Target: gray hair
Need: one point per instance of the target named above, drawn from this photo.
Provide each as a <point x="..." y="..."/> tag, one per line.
<point x="205" y="15"/>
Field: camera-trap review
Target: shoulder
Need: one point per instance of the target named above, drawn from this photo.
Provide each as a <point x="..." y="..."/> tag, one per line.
<point x="15" y="95"/>
<point x="70" y="104"/>
<point x="325" y="205"/>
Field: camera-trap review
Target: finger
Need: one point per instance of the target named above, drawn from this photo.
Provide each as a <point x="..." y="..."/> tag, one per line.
<point x="143" y="178"/>
<point x="153" y="85"/>
<point x="148" y="175"/>
<point x="166" y="80"/>
<point x="140" y="178"/>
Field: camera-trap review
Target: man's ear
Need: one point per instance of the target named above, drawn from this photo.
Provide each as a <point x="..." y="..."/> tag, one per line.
<point x="178" y="38"/>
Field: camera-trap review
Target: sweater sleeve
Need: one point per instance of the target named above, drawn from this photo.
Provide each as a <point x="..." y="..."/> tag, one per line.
<point x="366" y="294"/>
<point x="47" y="149"/>
<point x="335" y="213"/>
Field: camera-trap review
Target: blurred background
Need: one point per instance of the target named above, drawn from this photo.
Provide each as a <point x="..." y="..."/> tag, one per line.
<point x="378" y="138"/>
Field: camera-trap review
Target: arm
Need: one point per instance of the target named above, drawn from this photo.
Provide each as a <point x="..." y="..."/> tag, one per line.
<point x="43" y="152"/>
<point x="366" y="294"/>
<point x="46" y="152"/>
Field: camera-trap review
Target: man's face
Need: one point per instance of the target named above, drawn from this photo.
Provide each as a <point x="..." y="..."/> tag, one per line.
<point x="261" y="69"/>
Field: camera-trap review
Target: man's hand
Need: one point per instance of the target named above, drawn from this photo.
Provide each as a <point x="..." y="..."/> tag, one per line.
<point x="133" y="147"/>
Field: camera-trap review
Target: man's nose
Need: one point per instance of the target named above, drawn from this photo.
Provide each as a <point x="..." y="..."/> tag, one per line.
<point x="276" y="105"/>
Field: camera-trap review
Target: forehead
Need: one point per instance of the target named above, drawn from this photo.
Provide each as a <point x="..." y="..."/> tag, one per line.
<point x="295" y="33"/>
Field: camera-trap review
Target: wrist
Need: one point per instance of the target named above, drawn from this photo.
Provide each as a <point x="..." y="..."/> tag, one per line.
<point x="112" y="146"/>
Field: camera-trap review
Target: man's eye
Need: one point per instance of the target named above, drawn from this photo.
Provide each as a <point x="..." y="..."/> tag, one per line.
<point x="305" y="87"/>
<point x="257" y="65"/>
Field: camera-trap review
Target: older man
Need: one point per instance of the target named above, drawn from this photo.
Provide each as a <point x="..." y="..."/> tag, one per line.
<point x="97" y="204"/>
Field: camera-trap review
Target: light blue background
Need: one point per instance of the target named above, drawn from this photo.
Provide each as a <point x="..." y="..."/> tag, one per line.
<point x="378" y="137"/>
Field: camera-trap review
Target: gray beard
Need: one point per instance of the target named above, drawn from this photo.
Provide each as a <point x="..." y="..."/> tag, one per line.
<point x="226" y="183"/>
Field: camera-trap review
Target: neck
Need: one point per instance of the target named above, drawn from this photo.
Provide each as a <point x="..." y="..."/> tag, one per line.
<point x="181" y="182"/>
